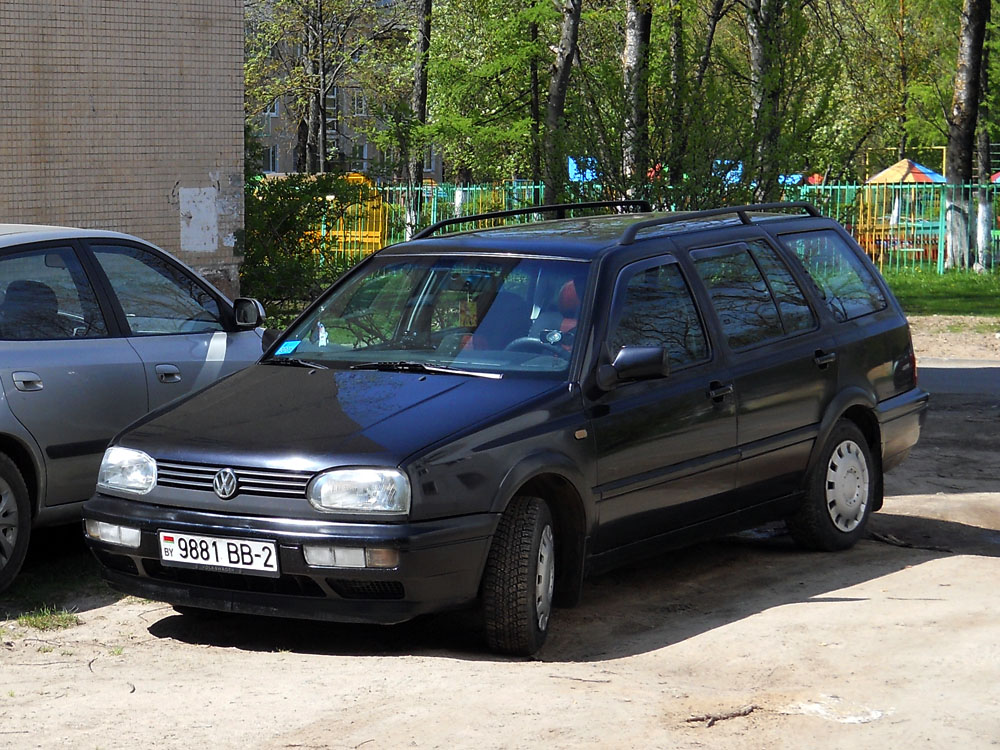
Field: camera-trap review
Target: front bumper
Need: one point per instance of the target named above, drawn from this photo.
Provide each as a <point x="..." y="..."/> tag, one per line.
<point x="440" y="564"/>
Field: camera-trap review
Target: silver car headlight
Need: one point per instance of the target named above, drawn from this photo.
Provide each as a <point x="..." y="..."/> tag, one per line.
<point x="361" y="491"/>
<point x="128" y="470"/>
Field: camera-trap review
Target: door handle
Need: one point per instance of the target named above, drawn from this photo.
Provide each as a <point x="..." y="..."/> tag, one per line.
<point x="168" y="373"/>
<point x="25" y="380"/>
<point x="717" y="391"/>
<point x="822" y="359"/>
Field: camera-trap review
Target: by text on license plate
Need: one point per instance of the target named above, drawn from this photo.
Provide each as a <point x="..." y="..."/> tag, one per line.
<point x="219" y="553"/>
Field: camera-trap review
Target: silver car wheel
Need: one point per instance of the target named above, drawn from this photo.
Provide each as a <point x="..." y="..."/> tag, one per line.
<point x="8" y="522"/>
<point x="545" y="577"/>
<point x="847" y="487"/>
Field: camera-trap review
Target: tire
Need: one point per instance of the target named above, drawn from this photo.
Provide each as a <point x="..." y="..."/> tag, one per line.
<point x="15" y="521"/>
<point x="519" y="579"/>
<point x="840" y="493"/>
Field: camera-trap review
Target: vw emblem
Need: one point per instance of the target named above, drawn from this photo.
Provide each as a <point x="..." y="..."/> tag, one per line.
<point x="224" y="483"/>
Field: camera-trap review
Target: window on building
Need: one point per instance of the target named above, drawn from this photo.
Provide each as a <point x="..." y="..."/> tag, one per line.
<point x="272" y="109"/>
<point x="333" y="111"/>
<point x="429" y="159"/>
<point x="359" y="157"/>
<point x="359" y="103"/>
<point x="271" y="159"/>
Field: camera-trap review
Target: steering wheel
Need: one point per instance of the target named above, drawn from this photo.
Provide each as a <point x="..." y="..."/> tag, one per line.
<point x="536" y="345"/>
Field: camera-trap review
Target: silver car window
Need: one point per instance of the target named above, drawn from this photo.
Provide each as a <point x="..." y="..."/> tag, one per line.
<point x="156" y="295"/>
<point x="46" y="295"/>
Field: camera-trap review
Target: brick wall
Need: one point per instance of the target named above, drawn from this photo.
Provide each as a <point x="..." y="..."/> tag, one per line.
<point x="126" y="116"/>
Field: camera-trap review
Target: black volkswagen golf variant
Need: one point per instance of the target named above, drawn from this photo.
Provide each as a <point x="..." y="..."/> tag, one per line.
<point x="487" y="416"/>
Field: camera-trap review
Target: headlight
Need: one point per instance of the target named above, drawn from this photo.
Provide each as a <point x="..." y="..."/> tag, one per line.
<point x="127" y="469"/>
<point x="361" y="491"/>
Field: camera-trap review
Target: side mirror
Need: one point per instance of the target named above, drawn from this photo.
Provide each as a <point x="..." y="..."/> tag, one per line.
<point x="249" y="312"/>
<point x="269" y="337"/>
<point x="634" y="363"/>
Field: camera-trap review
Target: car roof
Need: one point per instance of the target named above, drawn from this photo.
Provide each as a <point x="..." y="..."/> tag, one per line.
<point x="16" y="234"/>
<point x="581" y="238"/>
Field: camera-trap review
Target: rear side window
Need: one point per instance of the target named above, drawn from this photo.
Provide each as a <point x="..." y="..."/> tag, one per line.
<point x="657" y="310"/>
<point x="740" y="296"/>
<point x="845" y="283"/>
<point x="45" y="294"/>
<point x="792" y="306"/>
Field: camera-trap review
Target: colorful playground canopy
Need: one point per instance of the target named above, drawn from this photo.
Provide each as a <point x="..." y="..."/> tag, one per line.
<point x="995" y="177"/>
<point x="906" y="170"/>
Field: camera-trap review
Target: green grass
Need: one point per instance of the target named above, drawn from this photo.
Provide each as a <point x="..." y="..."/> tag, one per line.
<point x="925" y="292"/>
<point x="47" y="618"/>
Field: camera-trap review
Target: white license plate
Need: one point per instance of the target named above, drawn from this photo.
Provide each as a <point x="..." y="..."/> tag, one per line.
<point x="219" y="553"/>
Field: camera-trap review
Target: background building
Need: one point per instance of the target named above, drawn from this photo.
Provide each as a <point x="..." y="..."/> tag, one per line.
<point x="127" y="116"/>
<point x="348" y="117"/>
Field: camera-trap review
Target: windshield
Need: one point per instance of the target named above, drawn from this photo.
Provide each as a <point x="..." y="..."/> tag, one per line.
<point x="491" y="316"/>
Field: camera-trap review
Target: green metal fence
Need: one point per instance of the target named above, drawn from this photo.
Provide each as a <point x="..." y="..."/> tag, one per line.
<point x="934" y="226"/>
<point x="898" y="225"/>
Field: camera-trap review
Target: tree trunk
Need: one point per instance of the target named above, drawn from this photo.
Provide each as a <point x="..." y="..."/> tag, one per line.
<point x="904" y="82"/>
<point x="418" y="104"/>
<point x="635" y="70"/>
<point x="536" y="118"/>
<point x="984" y="216"/>
<point x="962" y="129"/>
<point x="678" y="97"/>
<point x="321" y="89"/>
<point x="714" y="16"/>
<point x="763" y="19"/>
<point x="554" y="156"/>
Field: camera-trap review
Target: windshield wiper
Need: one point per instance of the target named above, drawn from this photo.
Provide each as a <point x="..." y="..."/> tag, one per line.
<point x="407" y="366"/>
<point x="294" y="362"/>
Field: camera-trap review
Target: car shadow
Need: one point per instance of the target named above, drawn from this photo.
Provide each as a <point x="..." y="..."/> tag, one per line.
<point x="60" y="573"/>
<point x="636" y="609"/>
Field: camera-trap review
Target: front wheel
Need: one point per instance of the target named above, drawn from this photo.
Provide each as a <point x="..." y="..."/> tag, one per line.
<point x="15" y="521"/>
<point x="839" y="493"/>
<point x="519" y="579"/>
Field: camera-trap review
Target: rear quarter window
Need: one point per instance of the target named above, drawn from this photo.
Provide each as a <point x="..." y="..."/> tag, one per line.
<point x="845" y="283"/>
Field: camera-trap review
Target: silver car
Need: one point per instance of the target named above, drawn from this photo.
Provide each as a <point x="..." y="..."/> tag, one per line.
<point x="96" y="329"/>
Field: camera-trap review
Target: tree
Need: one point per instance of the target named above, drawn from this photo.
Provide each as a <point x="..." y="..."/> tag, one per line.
<point x="635" y="74"/>
<point x="962" y="127"/>
<point x="300" y="51"/>
<point x="286" y="260"/>
<point x="555" y="170"/>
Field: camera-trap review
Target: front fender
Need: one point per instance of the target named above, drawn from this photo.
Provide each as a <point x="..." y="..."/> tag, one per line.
<point x="537" y="465"/>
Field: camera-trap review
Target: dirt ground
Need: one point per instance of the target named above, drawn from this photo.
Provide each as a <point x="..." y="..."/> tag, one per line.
<point x="741" y="643"/>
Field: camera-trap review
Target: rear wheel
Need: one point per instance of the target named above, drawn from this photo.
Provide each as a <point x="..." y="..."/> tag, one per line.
<point x="839" y="494"/>
<point x="519" y="579"/>
<point x="15" y="521"/>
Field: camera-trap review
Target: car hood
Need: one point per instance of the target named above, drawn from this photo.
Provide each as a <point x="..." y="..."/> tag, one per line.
<point x="273" y="417"/>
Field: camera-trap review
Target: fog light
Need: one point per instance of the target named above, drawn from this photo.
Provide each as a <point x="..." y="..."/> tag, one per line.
<point x="126" y="536"/>
<point x="380" y="557"/>
<point x="328" y="556"/>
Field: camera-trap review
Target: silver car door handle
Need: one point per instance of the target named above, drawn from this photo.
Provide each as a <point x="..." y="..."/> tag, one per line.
<point x="168" y="373"/>
<point x="718" y="391"/>
<point x="25" y="380"/>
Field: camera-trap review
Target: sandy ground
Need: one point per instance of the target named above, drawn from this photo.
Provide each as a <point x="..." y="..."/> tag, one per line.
<point x="894" y="643"/>
<point x="958" y="337"/>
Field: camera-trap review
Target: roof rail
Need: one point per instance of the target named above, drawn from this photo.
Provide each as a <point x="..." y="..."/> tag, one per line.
<point x="628" y="236"/>
<point x="559" y="209"/>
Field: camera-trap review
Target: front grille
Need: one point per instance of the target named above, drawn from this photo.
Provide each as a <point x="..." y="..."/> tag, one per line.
<point x="289" y="585"/>
<point x="349" y="589"/>
<point x="187" y="476"/>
